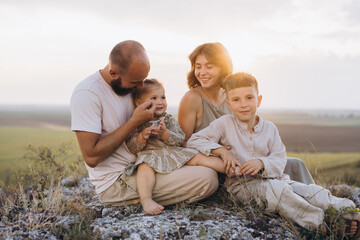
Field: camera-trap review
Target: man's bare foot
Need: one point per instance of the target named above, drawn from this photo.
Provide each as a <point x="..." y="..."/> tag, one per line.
<point x="151" y="207"/>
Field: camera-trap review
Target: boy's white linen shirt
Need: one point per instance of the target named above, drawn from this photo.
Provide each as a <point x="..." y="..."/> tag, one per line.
<point x="264" y="143"/>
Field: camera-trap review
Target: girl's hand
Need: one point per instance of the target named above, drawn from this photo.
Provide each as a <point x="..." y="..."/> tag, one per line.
<point x="144" y="135"/>
<point x="161" y="130"/>
<point x="252" y="167"/>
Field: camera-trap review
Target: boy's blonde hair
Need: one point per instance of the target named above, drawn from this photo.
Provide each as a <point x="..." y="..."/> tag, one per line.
<point x="240" y="79"/>
<point x="148" y="83"/>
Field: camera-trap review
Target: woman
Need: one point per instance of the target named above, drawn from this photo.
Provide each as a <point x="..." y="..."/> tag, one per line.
<point x="205" y="101"/>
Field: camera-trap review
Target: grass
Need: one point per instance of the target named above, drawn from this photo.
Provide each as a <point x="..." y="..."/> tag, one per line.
<point x="48" y="161"/>
<point x="326" y="160"/>
<point x="334" y="168"/>
<point x="36" y="191"/>
<point x="48" y="165"/>
<point x="14" y="142"/>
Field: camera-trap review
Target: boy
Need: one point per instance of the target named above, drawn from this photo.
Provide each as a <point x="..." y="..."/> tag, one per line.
<point x="257" y="146"/>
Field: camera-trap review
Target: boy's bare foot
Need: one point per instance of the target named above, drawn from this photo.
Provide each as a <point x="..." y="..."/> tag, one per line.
<point x="323" y="228"/>
<point x="151" y="207"/>
<point x="353" y="225"/>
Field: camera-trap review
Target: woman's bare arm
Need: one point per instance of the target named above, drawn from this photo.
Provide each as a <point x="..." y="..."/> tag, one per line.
<point x="189" y="112"/>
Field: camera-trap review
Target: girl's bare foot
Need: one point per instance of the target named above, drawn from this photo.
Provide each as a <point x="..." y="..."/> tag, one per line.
<point x="151" y="207"/>
<point x="231" y="173"/>
<point x="237" y="171"/>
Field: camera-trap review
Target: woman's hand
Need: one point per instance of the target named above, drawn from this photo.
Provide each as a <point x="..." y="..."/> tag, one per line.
<point x="252" y="167"/>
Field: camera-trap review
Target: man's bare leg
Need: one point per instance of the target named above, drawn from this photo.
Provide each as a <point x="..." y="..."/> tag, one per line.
<point x="145" y="182"/>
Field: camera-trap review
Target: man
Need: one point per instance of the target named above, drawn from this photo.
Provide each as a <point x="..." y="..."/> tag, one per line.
<point x="103" y="115"/>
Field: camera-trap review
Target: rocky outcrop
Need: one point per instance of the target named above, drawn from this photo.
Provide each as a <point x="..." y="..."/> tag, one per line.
<point x="204" y="220"/>
<point x="199" y="223"/>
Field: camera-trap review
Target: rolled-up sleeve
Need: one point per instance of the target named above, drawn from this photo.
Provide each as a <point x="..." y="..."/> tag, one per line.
<point x="207" y="139"/>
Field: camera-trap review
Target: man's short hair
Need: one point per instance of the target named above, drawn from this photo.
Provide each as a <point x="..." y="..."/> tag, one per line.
<point x="240" y="79"/>
<point x="124" y="53"/>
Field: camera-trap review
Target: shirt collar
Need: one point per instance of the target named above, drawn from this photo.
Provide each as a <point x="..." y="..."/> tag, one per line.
<point x="244" y="127"/>
<point x="259" y="126"/>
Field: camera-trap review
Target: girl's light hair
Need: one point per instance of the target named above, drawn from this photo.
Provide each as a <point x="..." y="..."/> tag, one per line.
<point x="148" y="83"/>
<point x="238" y="80"/>
<point x="216" y="54"/>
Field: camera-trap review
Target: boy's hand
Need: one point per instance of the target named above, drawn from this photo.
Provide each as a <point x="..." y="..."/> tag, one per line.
<point x="144" y="135"/>
<point x="252" y="167"/>
<point x="230" y="161"/>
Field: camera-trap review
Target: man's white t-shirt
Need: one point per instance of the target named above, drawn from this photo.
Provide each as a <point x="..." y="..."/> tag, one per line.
<point x="96" y="108"/>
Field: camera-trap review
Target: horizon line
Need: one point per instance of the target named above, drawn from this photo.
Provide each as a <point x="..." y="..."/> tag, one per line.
<point x="36" y="105"/>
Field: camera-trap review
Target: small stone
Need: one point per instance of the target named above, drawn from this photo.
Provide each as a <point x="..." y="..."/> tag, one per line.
<point x="113" y="212"/>
<point x="69" y="182"/>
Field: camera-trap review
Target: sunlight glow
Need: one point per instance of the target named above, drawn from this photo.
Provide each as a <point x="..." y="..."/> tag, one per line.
<point x="52" y="46"/>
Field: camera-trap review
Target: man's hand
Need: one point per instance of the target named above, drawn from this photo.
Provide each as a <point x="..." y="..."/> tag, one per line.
<point x="252" y="167"/>
<point x="143" y="113"/>
<point x="96" y="149"/>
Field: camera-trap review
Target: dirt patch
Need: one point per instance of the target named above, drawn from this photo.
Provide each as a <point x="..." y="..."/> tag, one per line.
<point x="57" y="124"/>
<point x="296" y="137"/>
<point x="320" y="138"/>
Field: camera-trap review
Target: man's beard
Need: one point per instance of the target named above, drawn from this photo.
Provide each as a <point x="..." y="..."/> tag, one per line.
<point x="116" y="86"/>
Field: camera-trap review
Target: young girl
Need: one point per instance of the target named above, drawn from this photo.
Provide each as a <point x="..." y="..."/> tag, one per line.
<point x="157" y="145"/>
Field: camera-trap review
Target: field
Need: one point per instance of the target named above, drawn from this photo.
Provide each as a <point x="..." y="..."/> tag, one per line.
<point x="328" y="143"/>
<point x="14" y="142"/>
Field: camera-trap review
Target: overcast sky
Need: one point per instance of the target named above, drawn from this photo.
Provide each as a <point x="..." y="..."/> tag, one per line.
<point x="305" y="54"/>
